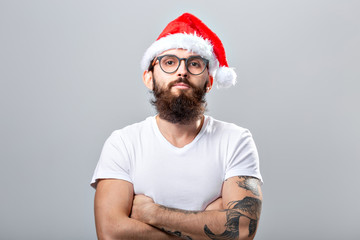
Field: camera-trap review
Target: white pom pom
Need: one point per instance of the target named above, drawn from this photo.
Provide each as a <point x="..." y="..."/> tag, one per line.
<point x="225" y="77"/>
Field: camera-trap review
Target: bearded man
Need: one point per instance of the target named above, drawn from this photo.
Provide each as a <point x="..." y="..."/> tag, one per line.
<point x="180" y="174"/>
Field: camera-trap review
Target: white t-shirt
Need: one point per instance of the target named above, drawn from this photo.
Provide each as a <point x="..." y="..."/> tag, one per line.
<point x="187" y="178"/>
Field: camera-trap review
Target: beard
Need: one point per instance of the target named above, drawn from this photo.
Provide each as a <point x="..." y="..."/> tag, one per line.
<point x="185" y="108"/>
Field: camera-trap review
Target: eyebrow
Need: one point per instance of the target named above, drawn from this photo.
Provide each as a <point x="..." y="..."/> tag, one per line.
<point x="178" y="56"/>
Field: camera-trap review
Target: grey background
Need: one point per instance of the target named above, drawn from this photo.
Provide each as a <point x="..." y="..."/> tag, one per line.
<point x="70" y="75"/>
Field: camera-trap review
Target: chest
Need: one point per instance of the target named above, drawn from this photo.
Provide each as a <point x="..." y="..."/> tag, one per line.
<point x="189" y="180"/>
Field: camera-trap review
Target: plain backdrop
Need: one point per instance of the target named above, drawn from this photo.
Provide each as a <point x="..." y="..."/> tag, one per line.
<point x="70" y="75"/>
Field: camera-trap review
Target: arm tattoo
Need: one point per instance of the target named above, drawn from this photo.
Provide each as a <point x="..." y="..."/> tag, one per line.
<point x="249" y="205"/>
<point x="176" y="233"/>
<point x="249" y="183"/>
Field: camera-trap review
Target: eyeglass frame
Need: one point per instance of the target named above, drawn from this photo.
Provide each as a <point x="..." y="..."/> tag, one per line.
<point x="180" y="59"/>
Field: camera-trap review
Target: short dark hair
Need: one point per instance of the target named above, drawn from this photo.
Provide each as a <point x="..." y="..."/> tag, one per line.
<point x="151" y="65"/>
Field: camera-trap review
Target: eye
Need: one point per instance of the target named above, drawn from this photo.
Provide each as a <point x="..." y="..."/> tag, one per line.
<point x="169" y="62"/>
<point x="195" y="63"/>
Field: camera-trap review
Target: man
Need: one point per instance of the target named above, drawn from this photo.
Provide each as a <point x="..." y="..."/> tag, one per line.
<point x="180" y="174"/>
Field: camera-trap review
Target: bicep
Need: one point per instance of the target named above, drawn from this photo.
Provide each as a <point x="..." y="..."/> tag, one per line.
<point x="239" y="187"/>
<point x="242" y="199"/>
<point x="113" y="202"/>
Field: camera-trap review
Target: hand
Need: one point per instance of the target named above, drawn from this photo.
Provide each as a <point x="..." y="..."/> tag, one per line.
<point x="215" y="205"/>
<point x="142" y="207"/>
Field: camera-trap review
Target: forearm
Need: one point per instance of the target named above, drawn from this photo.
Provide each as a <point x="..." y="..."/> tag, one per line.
<point x="127" y="228"/>
<point x="226" y="224"/>
<point x="187" y="224"/>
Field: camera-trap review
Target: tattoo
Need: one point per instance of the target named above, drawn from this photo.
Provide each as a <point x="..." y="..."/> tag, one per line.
<point x="249" y="205"/>
<point x="252" y="227"/>
<point x="249" y="183"/>
<point x="176" y="233"/>
<point x="232" y="227"/>
<point x="249" y="208"/>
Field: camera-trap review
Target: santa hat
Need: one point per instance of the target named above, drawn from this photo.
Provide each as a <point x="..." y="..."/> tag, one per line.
<point x="190" y="33"/>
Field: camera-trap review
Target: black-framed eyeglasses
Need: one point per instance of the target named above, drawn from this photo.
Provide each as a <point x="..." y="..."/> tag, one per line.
<point x="195" y="65"/>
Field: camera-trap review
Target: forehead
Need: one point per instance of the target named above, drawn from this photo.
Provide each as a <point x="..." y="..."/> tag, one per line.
<point x="179" y="52"/>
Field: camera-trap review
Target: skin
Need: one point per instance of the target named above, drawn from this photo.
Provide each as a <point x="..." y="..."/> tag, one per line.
<point x="121" y="215"/>
<point x="238" y="219"/>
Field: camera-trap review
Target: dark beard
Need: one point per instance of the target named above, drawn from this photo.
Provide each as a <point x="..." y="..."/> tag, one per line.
<point x="189" y="106"/>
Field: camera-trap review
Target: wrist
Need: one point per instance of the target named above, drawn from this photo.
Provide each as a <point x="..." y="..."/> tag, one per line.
<point x="152" y="213"/>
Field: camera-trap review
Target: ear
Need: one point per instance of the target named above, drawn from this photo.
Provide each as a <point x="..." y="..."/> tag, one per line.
<point x="148" y="79"/>
<point x="209" y="84"/>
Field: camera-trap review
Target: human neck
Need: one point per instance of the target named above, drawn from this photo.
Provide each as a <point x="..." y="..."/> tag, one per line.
<point x="177" y="134"/>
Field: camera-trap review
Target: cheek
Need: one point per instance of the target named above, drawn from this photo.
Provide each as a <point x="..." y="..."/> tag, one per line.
<point x="202" y="83"/>
<point x="164" y="78"/>
<point x="158" y="81"/>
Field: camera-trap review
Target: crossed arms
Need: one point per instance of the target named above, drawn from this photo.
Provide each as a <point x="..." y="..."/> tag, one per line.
<point x="120" y="215"/>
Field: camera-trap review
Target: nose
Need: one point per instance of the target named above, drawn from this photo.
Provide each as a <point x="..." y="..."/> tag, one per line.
<point x="182" y="71"/>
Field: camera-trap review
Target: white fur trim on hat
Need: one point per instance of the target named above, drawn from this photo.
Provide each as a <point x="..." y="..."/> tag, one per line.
<point x="190" y="42"/>
<point x="225" y="77"/>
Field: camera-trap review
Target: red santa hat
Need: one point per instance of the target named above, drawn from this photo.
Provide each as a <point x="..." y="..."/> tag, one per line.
<point x="190" y="33"/>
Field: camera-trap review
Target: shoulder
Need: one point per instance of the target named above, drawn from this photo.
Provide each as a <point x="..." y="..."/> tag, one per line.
<point x="131" y="131"/>
<point x="135" y="127"/>
<point x="226" y="128"/>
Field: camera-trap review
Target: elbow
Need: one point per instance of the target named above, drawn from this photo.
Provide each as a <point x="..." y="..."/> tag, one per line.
<point x="107" y="234"/>
<point x="104" y="237"/>
<point x="247" y="237"/>
<point x="111" y="235"/>
<point x="247" y="232"/>
<point x="111" y="231"/>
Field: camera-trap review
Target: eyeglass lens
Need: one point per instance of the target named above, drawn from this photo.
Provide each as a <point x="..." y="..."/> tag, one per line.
<point x="170" y="63"/>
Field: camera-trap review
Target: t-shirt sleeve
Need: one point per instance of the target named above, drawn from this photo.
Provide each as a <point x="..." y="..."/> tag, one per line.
<point x="114" y="161"/>
<point x="243" y="158"/>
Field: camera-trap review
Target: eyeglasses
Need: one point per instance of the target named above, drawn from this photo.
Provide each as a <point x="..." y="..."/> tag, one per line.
<point x="170" y="63"/>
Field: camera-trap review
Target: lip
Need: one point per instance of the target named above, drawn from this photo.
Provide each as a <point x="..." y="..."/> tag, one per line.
<point x="181" y="86"/>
